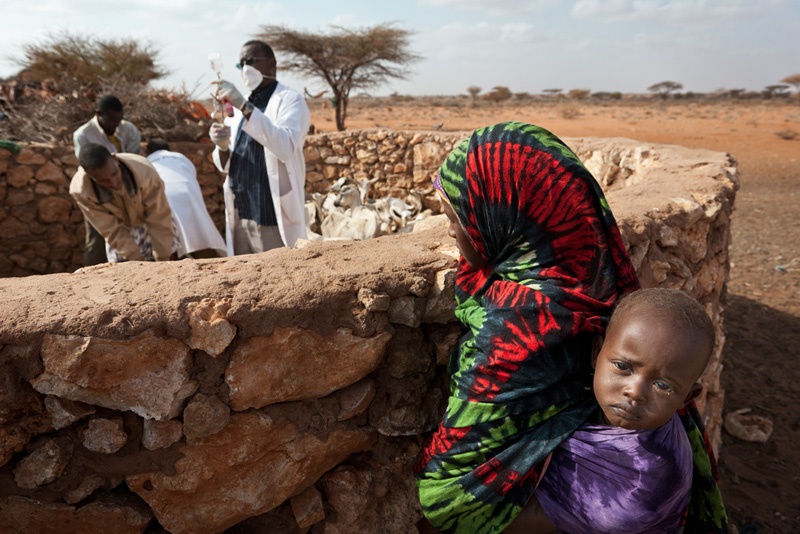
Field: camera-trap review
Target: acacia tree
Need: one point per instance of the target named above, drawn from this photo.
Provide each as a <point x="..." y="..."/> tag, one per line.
<point x="346" y="59"/>
<point x="665" y="88"/>
<point x="779" y="89"/>
<point x="474" y="91"/>
<point x="499" y="93"/>
<point x="74" y="60"/>
<point x="794" y="80"/>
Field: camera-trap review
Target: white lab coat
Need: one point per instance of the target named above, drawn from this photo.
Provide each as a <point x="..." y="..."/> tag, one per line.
<point x="281" y="130"/>
<point x="197" y="230"/>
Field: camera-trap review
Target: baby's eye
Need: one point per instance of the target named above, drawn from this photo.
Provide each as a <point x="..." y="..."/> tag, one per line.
<point x="622" y="366"/>
<point x="663" y="386"/>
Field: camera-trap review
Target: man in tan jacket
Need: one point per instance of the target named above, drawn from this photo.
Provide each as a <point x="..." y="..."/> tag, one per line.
<point x="123" y="197"/>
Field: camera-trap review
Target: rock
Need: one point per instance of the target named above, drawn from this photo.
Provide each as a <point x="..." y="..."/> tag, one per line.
<point x="399" y="410"/>
<point x="354" y="400"/>
<point x="64" y="412"/>
<point x="50" y="172"/>
<point x="22" y="413"/>
<point x="307" y="507"/>
<point x="211" y="331"/>
<point x="407" y="353"/>
<point x="29" y="157"/>
<point x="161" y="434"/>
<point x="146" y="375"/>
<point x="441" y="303"/>
<point x="689" y="210"/>
<point x="45" y="464"/>
<point x="407" y="311"/>
<point x="87" y="486"/>
<point x="54" y="209"/>
<point x="12" y="228"/>
<point x="748" y="427"/>
<point x="105" y="436"/>
<point x="328" y="363"/>
<point x="19" y="176"/>
<point x="263" y="464"/>
<point x="366" y="499"/>
<point x="204" y="416"/>
<point x="374" y="301"/>
<point x="118" y="515"/>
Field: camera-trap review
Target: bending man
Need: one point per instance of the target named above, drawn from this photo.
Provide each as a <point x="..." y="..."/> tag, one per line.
<point x="123" y="197"/>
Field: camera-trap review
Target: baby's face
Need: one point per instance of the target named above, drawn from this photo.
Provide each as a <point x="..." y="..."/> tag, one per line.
<point x="645" y="370"/>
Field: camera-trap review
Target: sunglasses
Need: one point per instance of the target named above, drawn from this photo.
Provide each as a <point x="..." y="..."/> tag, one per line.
<point x="248" y="61"/>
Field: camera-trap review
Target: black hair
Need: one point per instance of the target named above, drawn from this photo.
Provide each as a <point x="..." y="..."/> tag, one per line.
<point x="109" y="103"/>
<point x="264" y="47"/>
<point x="679" y="305"/>
<point x="93" y="156"/>
<point x="154" y="145"/>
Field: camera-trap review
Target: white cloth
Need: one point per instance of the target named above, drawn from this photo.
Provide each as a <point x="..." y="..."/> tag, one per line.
<point x="141" y="236"/>
<point x="281" y="130"/>
<point x="91" y="132"/>
<point x="195" y="227"/>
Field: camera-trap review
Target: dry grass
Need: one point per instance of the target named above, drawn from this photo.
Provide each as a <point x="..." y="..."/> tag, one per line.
<point x="42" y="115"/>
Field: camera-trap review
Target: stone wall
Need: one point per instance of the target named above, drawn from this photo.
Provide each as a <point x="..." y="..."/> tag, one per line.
<point x="41" y="228"/>
<point x="289" y="390"/>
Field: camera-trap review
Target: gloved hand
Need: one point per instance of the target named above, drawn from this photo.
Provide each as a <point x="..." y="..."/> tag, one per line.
<point x="227" y="91"/>
<point x="220" y="135"/>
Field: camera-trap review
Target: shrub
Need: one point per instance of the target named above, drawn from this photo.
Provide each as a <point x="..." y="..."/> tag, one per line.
<point x="787" y="135"/>
<point x="498" y="94"/>
<point x="579" y="94"/>
<point x="75" y="61"/>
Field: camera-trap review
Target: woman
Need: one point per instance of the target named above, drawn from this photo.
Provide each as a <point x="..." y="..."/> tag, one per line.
<point x="542" y="266"/>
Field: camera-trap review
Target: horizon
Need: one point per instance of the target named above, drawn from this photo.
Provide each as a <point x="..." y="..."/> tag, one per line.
<point x="621" y="46"/>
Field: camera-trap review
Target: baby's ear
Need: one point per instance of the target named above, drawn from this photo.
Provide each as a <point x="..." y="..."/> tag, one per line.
<point x="597" y="344"/>
<point x="697" y="389"/>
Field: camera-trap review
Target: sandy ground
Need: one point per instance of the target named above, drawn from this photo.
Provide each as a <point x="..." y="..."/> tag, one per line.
<point x="760" y="482"/>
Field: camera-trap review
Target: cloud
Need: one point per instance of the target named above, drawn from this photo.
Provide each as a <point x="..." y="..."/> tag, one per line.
<point x="484" y="40"/>
<point x="493" y="7"/>
<point x="673" y="12"/>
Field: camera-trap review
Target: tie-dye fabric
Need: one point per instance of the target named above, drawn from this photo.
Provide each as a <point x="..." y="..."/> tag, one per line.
<point x="520" y="375"/>
<point x="610" y="480"/>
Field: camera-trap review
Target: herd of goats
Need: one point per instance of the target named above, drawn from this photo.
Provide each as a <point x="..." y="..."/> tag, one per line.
<point x="346" y="211"/>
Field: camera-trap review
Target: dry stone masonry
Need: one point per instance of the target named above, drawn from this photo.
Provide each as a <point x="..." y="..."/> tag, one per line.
<point x="284" y="392"/>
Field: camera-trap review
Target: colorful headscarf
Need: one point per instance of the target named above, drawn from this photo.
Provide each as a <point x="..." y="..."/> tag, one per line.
<point x="520" y="375"/>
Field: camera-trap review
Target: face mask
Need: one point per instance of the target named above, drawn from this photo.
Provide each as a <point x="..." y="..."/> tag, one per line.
<point x="252" y="77"/>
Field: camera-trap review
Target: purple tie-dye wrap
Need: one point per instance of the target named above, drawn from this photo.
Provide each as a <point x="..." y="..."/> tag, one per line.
<point x="611" y="480"/>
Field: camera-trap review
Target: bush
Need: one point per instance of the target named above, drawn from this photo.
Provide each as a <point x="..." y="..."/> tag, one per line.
<point x="74" y="61"/>
<point x="787" y="135"/>
<point x="498" y="94"/>
<point x="570" y="112"/>
<point x="579" y="94"/>
<point x="39" y="113"/>
<point x="62" y="79"/>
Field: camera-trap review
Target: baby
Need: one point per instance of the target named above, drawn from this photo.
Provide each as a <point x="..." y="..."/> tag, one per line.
<point x="632" y="470"/>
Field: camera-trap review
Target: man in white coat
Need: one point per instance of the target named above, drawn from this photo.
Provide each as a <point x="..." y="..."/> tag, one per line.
<point x="261" y="149"/>
<point x="199" y="236"/>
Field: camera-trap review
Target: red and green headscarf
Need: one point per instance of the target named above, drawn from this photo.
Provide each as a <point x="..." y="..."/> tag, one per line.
<point x="520" y="375"/>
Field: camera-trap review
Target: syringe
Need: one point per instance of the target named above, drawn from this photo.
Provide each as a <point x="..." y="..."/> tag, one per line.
<point x="216" y="65"/>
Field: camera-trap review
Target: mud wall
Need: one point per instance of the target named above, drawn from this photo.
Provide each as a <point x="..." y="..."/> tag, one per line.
<point x="288" y="391"/>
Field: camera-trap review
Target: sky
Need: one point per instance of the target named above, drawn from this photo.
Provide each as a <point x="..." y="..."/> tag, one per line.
<point x="527" y="46"/>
